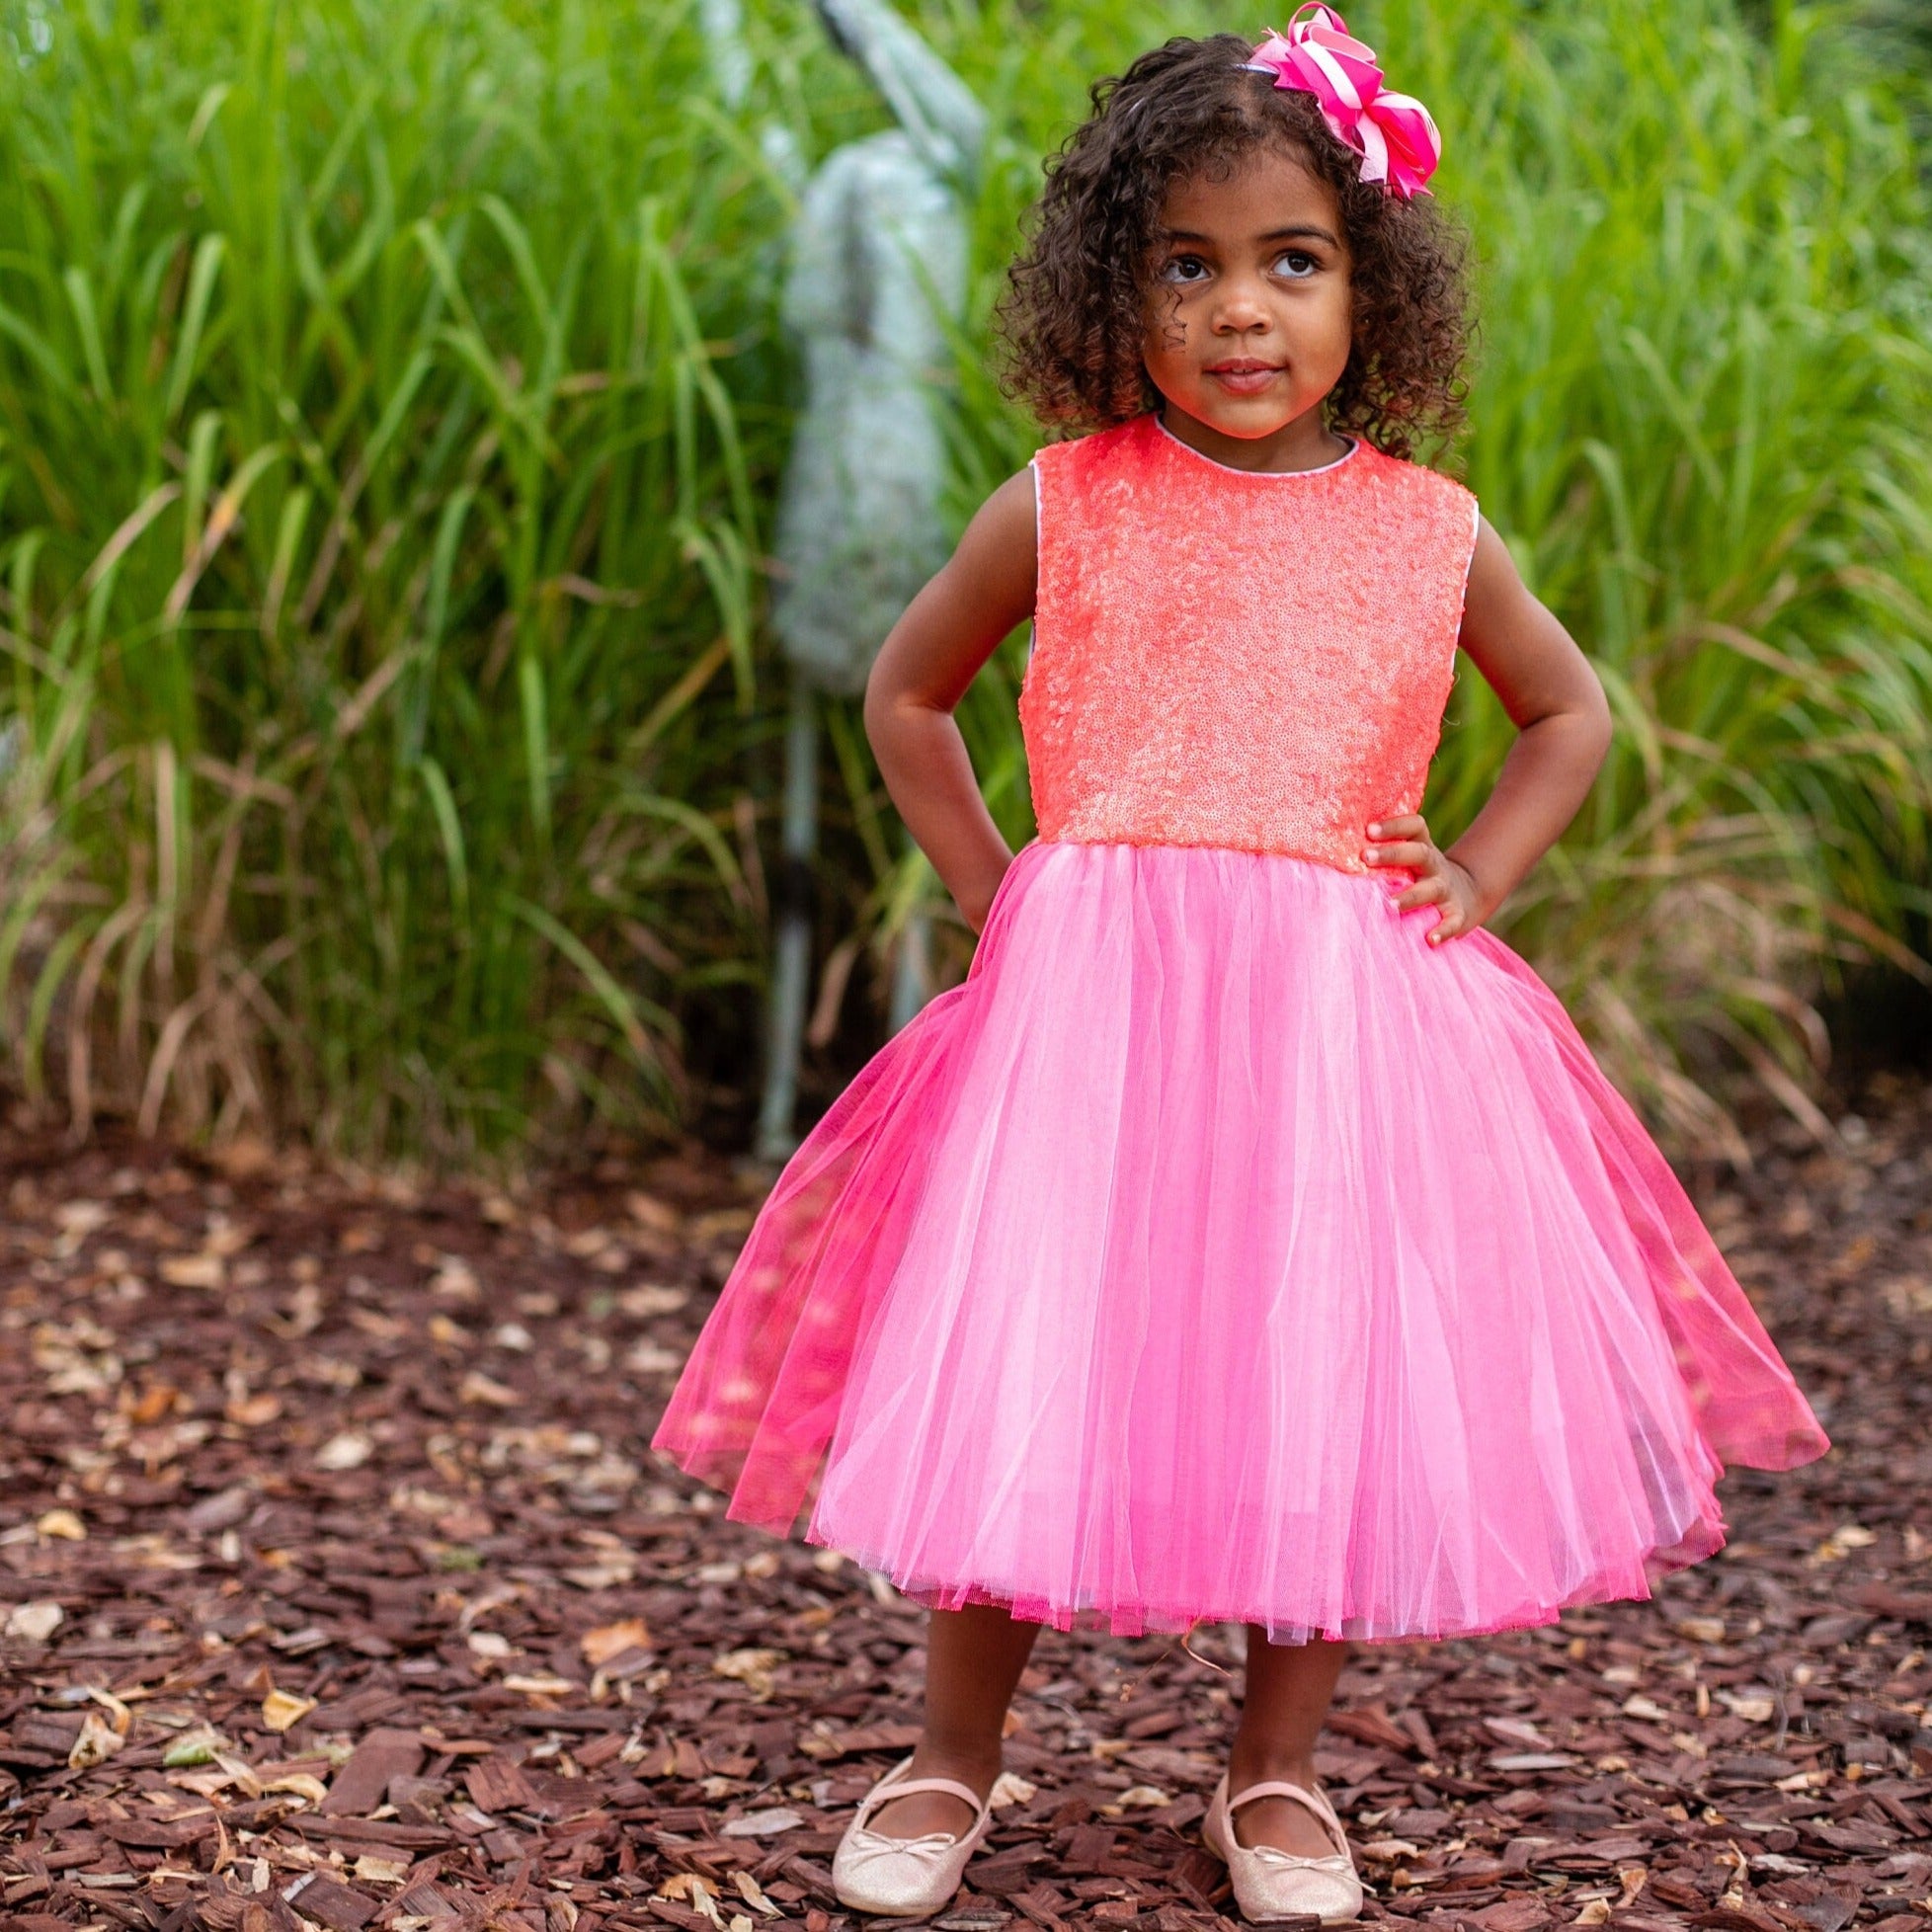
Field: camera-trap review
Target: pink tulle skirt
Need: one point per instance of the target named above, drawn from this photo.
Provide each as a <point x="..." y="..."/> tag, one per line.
<point x="1220" y="1250"/>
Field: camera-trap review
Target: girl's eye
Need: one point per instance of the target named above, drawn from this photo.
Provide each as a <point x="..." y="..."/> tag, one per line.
<point x="1185" y="269"/>
<point x="1295" y="264"/>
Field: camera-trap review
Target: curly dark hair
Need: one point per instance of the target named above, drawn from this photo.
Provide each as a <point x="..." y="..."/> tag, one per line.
<point x="1072" y="315"/>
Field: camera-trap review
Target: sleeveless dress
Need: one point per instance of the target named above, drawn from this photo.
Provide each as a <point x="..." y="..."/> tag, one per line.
<point x="1218" y="1249"/>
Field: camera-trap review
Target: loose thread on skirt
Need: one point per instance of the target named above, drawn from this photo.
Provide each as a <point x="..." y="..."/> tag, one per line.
<point x="1196" y="1655"/>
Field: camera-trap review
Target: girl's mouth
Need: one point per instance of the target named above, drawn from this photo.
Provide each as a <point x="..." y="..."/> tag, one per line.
<point x="1244" y="379"/>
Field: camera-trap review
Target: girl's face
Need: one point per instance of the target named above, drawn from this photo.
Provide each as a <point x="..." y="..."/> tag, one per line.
<point x="1249" y="314"/>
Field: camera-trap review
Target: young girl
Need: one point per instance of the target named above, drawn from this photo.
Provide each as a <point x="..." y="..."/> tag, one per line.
<point x="1251" y="1237"/>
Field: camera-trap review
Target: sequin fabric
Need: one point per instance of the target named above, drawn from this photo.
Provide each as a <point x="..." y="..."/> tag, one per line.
<point x="1224" y="658"/>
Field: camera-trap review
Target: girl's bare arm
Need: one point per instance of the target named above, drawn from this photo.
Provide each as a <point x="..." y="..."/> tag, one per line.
<point x="922" y="672"/>
<point x="1558" y="707"/>
<point x="1562" y="721"/>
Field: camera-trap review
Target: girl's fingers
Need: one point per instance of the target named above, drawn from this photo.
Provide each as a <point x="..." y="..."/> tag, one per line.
<point x="1410" y="853"/>
<point x="1406" y="825"/>
<point x="1457" y="919"/>
<point x="1425" y="892"/>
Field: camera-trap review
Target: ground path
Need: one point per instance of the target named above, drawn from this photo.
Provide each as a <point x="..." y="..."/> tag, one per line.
<point x="337" y="1585"/>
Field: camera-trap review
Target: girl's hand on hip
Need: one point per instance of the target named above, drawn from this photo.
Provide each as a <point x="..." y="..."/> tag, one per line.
<point x="1439" y="879"/>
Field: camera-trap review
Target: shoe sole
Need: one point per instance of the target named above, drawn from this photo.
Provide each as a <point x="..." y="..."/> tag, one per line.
<point x="895" y="1911"/>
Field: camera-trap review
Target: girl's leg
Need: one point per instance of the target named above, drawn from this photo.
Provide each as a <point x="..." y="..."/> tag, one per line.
<point x="973" y="1661"/>
<point x="1289" y="1688"/>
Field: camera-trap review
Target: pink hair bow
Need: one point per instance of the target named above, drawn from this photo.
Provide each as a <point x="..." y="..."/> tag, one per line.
<point x="1391" y="133"/>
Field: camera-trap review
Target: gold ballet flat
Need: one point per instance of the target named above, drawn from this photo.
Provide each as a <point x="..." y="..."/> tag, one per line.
<point x="905" y="1877"/>
<point x="1274" y="1883"/>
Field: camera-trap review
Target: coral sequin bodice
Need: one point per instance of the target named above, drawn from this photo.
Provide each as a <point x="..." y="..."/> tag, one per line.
<point x="1228" y="658"/>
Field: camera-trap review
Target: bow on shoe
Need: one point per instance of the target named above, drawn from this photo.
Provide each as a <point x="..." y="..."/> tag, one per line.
<point x="866" y="1847"/>
<point x="1391" y="133"/>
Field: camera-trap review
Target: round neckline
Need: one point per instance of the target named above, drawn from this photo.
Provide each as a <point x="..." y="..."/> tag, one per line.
<point x="1265" y="475"/>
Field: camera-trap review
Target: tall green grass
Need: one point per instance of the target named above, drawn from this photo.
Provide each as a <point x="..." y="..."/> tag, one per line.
<point x="1703" y="419"/>
<point x="378" y="525"/>
<point x="390" y="400"/>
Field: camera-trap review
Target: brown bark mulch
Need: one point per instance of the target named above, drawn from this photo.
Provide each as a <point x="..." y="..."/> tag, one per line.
<point x="339" y="1586"/>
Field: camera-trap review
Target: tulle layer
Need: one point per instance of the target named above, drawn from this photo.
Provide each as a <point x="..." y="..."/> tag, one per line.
<point x="1220" y="1250"/>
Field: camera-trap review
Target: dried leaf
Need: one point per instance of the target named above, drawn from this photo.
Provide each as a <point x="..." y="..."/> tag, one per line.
<point x="689" y="1887"/>
<point x="456" y="1280"/>
<point x="480" y="1387"/>
<point x="196" y="1746"/>
<point x="34" y="1623"/>
<point x="1701" y="1630"/>
<point x="281" y="1708"/>
<point x="118" y="1715"/>
<point x="1645" y="1708"/>
<point x="608" y="1641"/>
<point x="301" y="1784"/>
<point x="751" y="1668"/>
<point x="205" y="1270"/>
<point x="604" y="1575"/>
<point x="761" y="1824"/>
<point x="750" y="1890"/>
<point x="97" y="1742"/>
<point x="348" y="1450"/>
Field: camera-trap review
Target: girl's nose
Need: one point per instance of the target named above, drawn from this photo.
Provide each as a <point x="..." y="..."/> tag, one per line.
<point x="1241" y="308"/>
